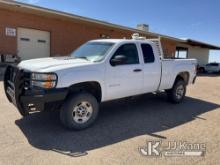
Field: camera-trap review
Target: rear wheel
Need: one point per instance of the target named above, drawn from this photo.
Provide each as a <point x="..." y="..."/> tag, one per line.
<point x="79" y="111"/>
<point x="177" y="93"/>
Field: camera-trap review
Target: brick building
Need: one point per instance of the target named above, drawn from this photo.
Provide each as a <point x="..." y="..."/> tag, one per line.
<point x="29" y="31"/>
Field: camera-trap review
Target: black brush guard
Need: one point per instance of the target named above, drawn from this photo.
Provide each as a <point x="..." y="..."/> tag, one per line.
<point x="14" y="81"/>
<point x="26" y="98"/>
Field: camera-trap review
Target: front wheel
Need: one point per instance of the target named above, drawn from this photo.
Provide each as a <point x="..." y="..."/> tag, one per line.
<point x="178" y="92"/>
<point x="79" y="111"/>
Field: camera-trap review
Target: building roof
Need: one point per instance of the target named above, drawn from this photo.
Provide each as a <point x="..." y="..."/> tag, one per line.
<point x="201" y="44"/>
<point x="19" y="5"/>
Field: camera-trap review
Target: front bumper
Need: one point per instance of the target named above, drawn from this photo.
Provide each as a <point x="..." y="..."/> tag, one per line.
<point x="26" y="99"/>
<point x="36" y="100"/>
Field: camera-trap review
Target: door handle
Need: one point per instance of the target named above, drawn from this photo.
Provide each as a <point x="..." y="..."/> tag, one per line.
<point x="137" y="70"/>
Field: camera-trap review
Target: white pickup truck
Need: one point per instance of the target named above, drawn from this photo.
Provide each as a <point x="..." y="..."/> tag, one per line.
<point x="98" y="71"/>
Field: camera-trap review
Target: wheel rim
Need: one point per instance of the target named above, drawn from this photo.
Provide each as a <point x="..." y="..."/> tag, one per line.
<point x="82" y="112"/>
<point x="180" y="92"/>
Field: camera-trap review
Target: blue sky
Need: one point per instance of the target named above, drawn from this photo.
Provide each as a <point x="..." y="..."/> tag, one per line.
<point x="196" y="19"/>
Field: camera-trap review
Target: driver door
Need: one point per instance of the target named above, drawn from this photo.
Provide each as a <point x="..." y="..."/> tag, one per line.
<point x="125" y="79"/>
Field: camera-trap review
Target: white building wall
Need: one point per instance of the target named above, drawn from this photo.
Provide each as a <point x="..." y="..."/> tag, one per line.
<point x="201" y="54"/>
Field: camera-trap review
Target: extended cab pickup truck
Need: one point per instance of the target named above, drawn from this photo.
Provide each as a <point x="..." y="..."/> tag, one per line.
<point x="98" y="71"/>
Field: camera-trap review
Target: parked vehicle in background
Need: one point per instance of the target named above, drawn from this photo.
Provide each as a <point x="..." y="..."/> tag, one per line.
<point x="201" y="68"/>
<point x="98" y="71"/>
<point x="212" y="67"/>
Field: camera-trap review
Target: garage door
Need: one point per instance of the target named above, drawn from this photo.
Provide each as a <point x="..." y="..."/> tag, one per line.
<point x="33" y="43"/>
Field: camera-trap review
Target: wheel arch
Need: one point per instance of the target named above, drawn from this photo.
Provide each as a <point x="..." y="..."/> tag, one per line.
<point x="183" y="76"/>
<point x="92" y="87"/>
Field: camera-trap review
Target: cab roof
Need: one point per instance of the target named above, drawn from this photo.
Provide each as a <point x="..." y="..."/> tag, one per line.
<point x="121" y="40"/>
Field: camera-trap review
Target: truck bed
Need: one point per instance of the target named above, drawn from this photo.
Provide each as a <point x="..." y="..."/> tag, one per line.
<point x="171" y="67"/>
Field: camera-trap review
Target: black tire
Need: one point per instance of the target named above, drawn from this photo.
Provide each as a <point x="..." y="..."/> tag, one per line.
<point x="73" y="102"/>
<point x="173" y="94"/>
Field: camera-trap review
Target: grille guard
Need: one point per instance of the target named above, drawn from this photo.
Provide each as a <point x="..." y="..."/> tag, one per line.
<point x="13" y="75"/>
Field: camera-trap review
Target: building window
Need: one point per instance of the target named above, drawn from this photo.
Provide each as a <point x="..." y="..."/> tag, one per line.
<point x="41" y="41"/>
<point x="181" y="52"/>
<point x="24" y="39"/>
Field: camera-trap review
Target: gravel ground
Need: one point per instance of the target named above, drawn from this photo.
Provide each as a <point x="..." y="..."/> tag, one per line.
<point x="122" y="127"/>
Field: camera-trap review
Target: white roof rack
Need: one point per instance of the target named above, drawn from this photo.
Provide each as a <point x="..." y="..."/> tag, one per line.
<point x="157" y="42"/>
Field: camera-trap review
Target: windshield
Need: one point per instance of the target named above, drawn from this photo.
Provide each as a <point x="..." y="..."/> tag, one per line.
<point x="93" y="51"/>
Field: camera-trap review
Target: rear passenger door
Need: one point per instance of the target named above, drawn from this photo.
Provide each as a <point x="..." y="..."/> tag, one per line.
<point x="151" y="68"/>
<point x="124" y="79"/>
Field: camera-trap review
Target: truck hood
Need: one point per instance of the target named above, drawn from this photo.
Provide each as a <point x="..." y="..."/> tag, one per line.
<point x="52" y="64"/>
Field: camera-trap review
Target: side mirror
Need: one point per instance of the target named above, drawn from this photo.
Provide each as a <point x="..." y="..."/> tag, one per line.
<point x="118" y="60"/>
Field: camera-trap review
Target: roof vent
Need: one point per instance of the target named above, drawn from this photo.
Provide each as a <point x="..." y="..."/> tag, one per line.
<point x="143" y="27"/>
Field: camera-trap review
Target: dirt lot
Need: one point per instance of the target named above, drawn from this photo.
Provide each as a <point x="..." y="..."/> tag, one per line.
<point x="122" y="127"/>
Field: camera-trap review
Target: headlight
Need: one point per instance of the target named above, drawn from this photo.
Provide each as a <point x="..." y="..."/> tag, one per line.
<point x="44" y="80"/>
<point x="44" y="76"/>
